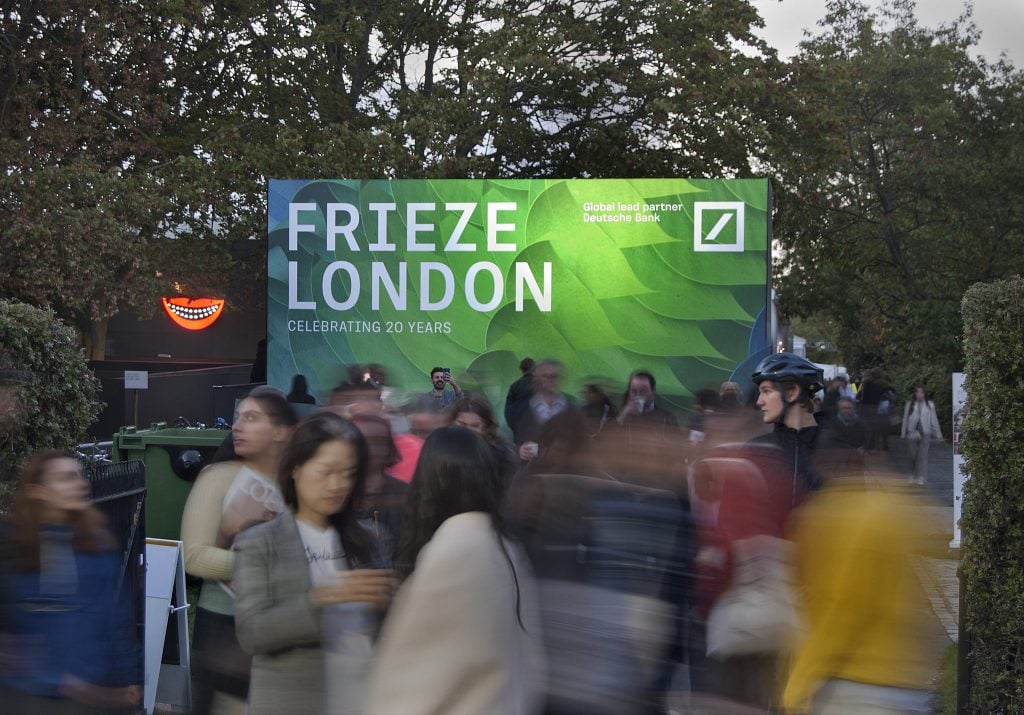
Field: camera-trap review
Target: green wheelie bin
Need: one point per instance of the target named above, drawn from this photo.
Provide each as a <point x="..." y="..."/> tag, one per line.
<point x="173" y="457"/>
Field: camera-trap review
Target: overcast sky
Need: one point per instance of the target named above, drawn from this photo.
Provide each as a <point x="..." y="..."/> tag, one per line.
<point x="1001" y="23"/>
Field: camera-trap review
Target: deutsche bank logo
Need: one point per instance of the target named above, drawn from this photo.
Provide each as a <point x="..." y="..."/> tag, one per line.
<point x="718" y="226"/>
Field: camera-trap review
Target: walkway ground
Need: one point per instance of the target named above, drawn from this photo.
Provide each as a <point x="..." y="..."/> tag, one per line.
<point x="936" y="568"/>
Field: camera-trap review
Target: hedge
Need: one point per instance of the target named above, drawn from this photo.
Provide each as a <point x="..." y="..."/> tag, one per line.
<point x="992" y="559"/>
<point x="59" y="399"/>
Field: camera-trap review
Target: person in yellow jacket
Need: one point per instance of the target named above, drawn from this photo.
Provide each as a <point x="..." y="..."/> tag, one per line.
<point x="865" y="648"/>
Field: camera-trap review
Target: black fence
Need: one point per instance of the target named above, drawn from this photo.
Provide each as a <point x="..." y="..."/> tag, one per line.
<point x="119" y="491"/>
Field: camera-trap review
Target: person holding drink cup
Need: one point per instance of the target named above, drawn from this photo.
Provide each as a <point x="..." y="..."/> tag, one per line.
<point x="308" y="584"/>
<point x="547" y="401"/>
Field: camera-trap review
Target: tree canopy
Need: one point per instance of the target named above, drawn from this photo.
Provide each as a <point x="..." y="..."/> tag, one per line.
<point x="138" y="136"/>
<point x="899" y="183"/>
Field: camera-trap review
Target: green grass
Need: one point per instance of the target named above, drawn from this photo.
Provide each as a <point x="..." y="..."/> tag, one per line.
<point x="946" y="687"/>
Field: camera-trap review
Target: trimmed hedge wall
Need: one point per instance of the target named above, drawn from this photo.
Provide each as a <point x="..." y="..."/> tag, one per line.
<point x="60" y="400"/>
<point x="993" y="510"/>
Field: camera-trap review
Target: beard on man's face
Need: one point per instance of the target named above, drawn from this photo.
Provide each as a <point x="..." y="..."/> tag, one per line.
<point x="438" y="384"/>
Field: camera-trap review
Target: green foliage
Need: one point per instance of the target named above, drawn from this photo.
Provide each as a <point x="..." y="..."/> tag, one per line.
<point x="993" y="511"/>
<point x="125" y="123"/>
<point x="61" y="398"/>
<point x="898" y="185"/>
<point x="98" y="178"/>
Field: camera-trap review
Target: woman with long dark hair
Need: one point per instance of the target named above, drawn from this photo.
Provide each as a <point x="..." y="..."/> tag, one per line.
<point x="292" y="571"/>
<point x="476" y="414"/>
<point x="463" y="634"/>
<point x="920" y="427"/>
<point x="383" y="504"/>
<point x="238" y="490"/>
<point x="66" y="630"/>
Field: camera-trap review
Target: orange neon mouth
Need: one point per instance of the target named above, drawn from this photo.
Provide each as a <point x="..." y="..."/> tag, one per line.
<point x="194" y="313"/>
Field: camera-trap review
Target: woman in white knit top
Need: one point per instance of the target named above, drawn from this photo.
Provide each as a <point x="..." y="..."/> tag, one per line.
<point x="227" y="497"/>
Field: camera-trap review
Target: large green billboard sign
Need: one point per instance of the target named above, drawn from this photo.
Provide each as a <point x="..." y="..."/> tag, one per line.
<point x="608" y="276"/>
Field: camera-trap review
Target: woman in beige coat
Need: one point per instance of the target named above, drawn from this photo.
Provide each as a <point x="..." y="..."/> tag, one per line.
<point x="463" y="634"/>
<point x="920" y="427"/>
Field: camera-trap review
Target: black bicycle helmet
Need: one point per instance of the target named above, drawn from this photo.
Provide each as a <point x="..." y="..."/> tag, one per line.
<point x="787" y="367"/>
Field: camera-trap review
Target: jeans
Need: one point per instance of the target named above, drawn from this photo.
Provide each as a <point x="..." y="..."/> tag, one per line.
<point x="846" y="697"/>
<point x="919" y="455"/>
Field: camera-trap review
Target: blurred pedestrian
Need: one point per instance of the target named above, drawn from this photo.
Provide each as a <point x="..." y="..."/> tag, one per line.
<point x="705" y="405"/>
<point x="352" y="398"/>
<point x="847" y="433"/>
<point x="875" y="400"/>
<point x="519" y="392"/>
<point x="229" y="496"/>
<point x="830" y="401"/>
<point x="67" y="630"/>
<point x="547" y="401"/>
<point x="730" y="396"/>
<point x="475" y="413"/>
<point x="300" y="392"/>
<point x="382" y="506"/>
<point x="597" y="409"/>
<point x="920" y="427"/>
<point x="644" y="445"/>
<point x="307" y="579"/>
<point x="866" y="644"/>
<point x="463" y="634"/>
<point x="845" y="388"/>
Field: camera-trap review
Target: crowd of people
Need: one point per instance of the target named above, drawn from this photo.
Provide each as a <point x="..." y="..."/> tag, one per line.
<point x="589" y="555"/>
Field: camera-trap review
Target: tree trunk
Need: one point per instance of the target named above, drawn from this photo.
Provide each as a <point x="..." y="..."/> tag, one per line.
<point x="95" y="338"/>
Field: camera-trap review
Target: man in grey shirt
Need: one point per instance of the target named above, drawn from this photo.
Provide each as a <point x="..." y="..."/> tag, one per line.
<point x="440" y="397"/>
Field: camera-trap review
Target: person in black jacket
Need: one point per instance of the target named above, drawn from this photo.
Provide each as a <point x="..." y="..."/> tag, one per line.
<point x="519" y="393"/>
<point x="875" y="398"/>
<point x="755" y="490"/>
<point x="382" y="506"/>
<point x="786" y="384"/>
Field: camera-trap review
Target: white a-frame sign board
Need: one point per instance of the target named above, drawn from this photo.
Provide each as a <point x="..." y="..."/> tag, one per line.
<point x="166" y="683"/>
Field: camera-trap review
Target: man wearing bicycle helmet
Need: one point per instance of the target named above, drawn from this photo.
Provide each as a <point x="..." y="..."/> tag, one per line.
<point x="786" y="384"/>
<point x="758" y="484"/>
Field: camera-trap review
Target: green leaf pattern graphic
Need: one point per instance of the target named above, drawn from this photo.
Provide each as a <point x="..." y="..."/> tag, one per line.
<point x="625" y="295"/>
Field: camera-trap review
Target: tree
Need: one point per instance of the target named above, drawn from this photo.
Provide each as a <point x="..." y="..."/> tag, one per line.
<point x="454" y="88"/>
<point x="138" y="137"/>
<point x="60" y="397"/>
<point x="898" y="184"/>
<point x="100" y="211"/>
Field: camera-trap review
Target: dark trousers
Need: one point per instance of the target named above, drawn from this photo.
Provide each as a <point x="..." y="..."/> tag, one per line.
<point x="878" y="428"/>
<point x="219" y="663"/>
